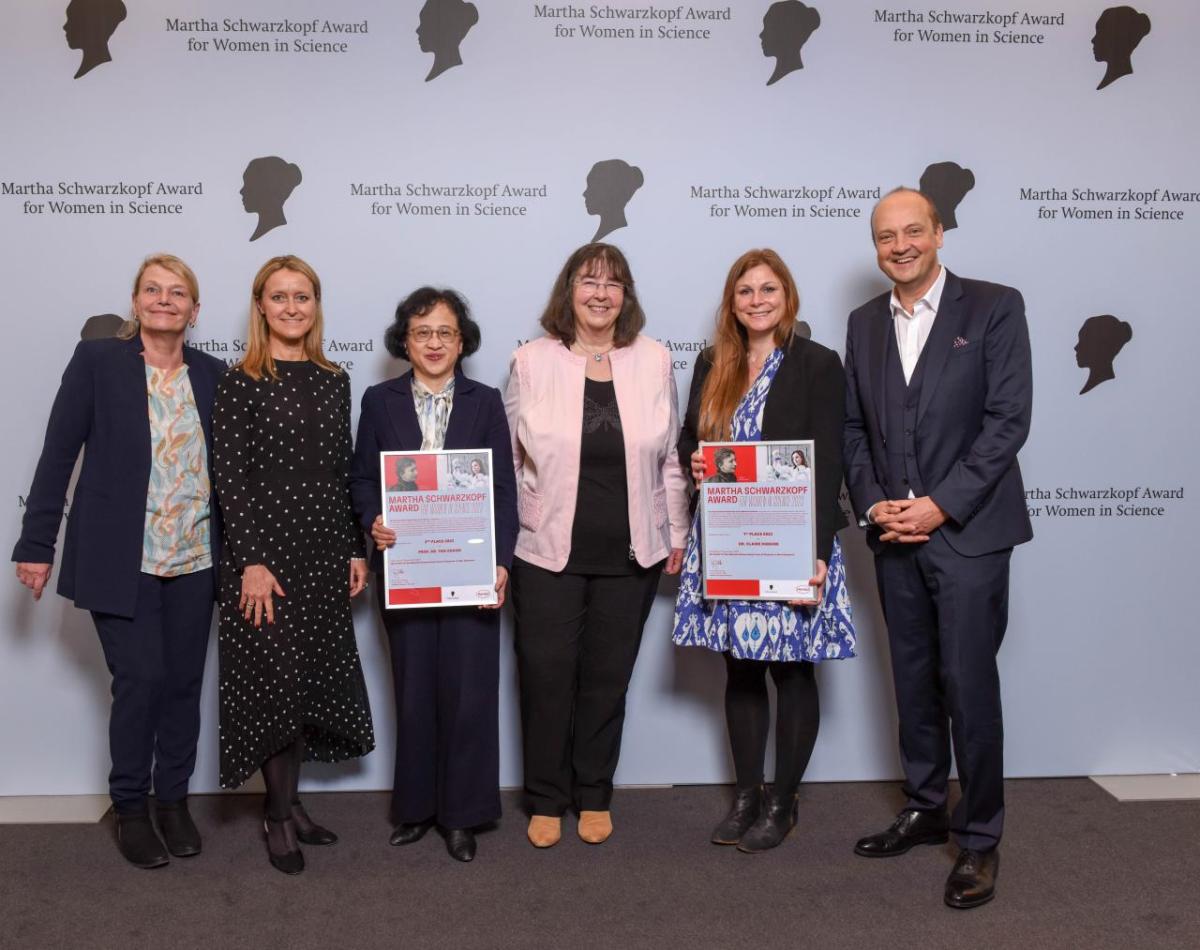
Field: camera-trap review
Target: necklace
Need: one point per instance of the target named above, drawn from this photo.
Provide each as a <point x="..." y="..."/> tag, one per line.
<point x="597" y="356"/>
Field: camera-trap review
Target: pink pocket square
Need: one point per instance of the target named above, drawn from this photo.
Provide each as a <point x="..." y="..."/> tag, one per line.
<point x="959" y="343"/>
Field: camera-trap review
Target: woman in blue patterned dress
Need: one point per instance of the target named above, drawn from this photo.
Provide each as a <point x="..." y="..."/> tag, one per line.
<point x="760" y="381"/>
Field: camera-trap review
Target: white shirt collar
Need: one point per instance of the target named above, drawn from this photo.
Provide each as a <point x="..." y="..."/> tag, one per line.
<point x="931" y="299"/>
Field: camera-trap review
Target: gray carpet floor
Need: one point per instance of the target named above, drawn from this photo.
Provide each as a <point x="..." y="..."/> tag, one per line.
<point x="1078" y="870"/>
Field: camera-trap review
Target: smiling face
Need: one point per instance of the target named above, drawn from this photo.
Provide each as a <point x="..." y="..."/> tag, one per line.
<point x="289" y="305"/>
<point x="596" y="300"/>
<point x="906" y="243"/>
<point x="433" y="360"/>
<point x="163" y="302"/>
<point x="759" y="300"/>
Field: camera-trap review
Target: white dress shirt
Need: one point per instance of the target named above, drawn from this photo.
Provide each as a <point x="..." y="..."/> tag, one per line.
<point x="912" y="329"/>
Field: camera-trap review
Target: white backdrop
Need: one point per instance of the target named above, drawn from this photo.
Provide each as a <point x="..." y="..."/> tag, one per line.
<point x="1101" y="656"/>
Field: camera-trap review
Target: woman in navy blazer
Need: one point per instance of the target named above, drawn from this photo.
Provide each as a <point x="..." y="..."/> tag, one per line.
<point x="445" y="661"/>
<point x="142" y="536"/>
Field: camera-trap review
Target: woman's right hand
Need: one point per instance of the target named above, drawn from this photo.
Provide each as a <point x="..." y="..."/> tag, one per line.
<point x="258" y="584"/>
<point x="383" y="536"/>
<point x="698" y="467"/>
<point x="34" y="576"/>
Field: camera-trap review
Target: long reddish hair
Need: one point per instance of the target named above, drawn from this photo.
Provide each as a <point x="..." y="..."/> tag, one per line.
<point x="726" y="381"/>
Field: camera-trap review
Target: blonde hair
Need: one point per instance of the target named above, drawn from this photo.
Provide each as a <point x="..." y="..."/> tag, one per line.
<point x="726" y="381"/>
<point x="258" y="361"/>
<point x="133" y="326"/>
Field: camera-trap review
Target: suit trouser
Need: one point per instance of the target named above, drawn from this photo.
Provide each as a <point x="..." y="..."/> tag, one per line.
<point x="156" y="658"/>
<point x="446" y="675"/>
<point x="577" y="639"/>
<point x="946" y="616"/>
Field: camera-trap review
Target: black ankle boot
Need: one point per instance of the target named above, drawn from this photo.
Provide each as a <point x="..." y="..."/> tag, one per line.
<point x="178" y="830"/>
<point x="744" y="812"/>
<point x="777" y="819"/>
<point x="139" y="845"/>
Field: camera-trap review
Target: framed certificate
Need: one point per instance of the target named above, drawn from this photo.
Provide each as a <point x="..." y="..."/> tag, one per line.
<point x="758" y="534"/>
<point x="439" y="503"/>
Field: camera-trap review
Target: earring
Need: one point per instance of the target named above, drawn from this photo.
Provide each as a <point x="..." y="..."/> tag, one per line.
<point x="191" y="324"/>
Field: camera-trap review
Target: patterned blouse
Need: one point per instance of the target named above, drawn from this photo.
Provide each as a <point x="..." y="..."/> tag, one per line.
<point x="433" y="413"/>
<point x="176" y="536"/>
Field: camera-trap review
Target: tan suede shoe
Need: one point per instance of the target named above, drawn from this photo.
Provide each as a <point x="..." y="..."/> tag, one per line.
<point x="544" y="831"/>
<point x="595" y="826"/>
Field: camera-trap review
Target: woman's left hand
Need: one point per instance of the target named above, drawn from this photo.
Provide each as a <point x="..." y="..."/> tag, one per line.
<point x="358" y="576"/>
<point x="674" y="561"/>
<point x="817" y="583"/>
<point x="501" y="589"/>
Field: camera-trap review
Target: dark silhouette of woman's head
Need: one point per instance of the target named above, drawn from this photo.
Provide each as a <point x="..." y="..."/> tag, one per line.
<point x="442" y="27"/>
<point x="267" y="183"/>
<point x="946" y="184"/>
<point x="610" y="185"/>
<point x="89" y="25"/>
<point x="787" y="25"/>
<point x="1118" y="32"/>
<point x="1100" y="340"/>
<point x="101" y="327"/>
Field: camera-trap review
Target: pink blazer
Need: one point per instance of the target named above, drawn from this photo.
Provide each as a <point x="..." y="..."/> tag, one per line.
<point x="544" y="402"/>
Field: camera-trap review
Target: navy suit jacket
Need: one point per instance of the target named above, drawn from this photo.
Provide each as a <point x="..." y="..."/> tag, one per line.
<point x="388" y="423"/>
<point x="972" y="418"/>
<point x="101" y="407"/>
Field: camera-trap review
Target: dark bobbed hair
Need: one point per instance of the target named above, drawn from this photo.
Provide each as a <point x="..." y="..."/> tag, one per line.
<point x="418" y="304"/>
<point x="558" y="319"/>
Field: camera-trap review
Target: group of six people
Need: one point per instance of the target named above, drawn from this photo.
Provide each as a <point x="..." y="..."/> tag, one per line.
<point x="594" y="508"/>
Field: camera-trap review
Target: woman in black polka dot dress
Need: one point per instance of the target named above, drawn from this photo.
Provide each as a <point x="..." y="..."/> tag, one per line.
<point x="291" y="683"/>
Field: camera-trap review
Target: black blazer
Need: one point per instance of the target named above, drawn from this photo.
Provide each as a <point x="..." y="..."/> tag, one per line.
<point x="806" y="401"/>
<point x="101" y="407"/>
<point x="973" y="415"/>
<point x="388" y="423"/>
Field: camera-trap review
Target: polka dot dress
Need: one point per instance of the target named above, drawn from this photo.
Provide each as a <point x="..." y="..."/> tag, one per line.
<point x="281" y="459"/>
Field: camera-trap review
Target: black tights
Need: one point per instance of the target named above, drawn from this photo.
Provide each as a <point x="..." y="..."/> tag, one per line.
<point x="281" y="774"/>
<point x="748" y="715"/>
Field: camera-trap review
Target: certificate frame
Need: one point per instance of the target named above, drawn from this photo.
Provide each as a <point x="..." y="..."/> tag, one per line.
<point x="445" y="524"/>
<point x="757" y="520"/>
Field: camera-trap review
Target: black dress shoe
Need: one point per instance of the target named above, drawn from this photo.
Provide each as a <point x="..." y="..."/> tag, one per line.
<point x="460" y="842"/>
<point x="307" y="830"/>
<point x="283" y="850"/>
<point x="138" y="843"/>
<point x="778" y="818"/>
<point x="177" y="827"/>
<point x="973" y="880"/>
<point x="409" y="831"/>
<point x="747" y="803"/>
<point x="911" y="828"/>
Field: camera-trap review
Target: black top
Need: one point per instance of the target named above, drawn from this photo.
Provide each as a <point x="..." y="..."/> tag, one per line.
<point x="600" y="532"/>
<point x="807" y="401"/>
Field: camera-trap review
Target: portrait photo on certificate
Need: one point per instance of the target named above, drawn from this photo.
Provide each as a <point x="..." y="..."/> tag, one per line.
<point x="439" y="503"/>
<point x="756" y="520"/>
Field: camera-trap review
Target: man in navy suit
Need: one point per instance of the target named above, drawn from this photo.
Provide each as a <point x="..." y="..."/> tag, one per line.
<point x="939" y="390"/>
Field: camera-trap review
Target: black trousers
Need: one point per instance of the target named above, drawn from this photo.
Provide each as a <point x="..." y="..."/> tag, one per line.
<point x="446" y="674"/>
<point x="946" y="616"/>
<point x="577" y="639"/>
<point x="156" y="658"/>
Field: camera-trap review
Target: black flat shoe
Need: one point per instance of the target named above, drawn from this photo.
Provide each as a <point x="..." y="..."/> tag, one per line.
<point x="777" y="820"/>
<point x="178" y="829"/>
<point x="911" y="828"/>
<point x="307" y="830"/>
<point x="283" y="851"/>
<point x="973" y="880"/>
<point x="138" y="843"/>
<point x="408" y="832"/>
<point x="460" y="843"/>
<point x="744" y="812"/>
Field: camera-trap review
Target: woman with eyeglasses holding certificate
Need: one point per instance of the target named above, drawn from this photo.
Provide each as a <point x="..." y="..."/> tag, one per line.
<point x="445" y="660"/>
<point x="603" y="511"/>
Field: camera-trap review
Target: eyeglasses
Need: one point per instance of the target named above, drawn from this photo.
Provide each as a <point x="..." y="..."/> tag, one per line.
<point x="590" y="286"/>
<point x="425" y="334"/>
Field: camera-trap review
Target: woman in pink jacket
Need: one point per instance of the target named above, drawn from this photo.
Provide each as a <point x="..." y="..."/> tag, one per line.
<point x="602" y="503"/>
